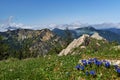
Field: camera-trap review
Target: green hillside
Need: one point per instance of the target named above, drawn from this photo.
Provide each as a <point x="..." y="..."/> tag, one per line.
<point x="91" y="61"/>
<point x="53" y="67"/>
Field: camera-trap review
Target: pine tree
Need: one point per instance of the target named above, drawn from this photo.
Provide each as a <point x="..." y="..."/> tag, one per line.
<point x="69" y="37"/>
<point x="3" y="49"/>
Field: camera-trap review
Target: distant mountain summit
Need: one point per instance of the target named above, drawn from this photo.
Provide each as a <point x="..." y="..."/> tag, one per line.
<point x="115" y="30"/>
<point x="33" y="43"/>
<point x="97" y="36"/>
<point x="89" y="28"/>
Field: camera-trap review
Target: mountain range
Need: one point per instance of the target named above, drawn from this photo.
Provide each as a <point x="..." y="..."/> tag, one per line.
<point x="9" y="25"/>
<point x="111" y="34"/>
<point x="76" y="28"/>
<point x="34" y="43"/>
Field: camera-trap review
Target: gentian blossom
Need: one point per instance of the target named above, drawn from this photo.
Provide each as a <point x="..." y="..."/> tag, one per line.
<point x="107" y="64"/>
<point x="92" y="72"/>
<point x="78" y="67"/>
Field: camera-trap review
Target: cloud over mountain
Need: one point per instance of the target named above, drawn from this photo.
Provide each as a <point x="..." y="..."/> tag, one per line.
<point x="9" y="24"/>
<point x="106" y="25"/>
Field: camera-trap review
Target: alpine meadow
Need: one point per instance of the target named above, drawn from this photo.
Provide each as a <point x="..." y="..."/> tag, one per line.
<point x="59" y="40"/>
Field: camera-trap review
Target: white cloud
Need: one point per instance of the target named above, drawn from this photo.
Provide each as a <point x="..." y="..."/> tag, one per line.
<point x="9" y="23"/>
<point x="106" y="25"/>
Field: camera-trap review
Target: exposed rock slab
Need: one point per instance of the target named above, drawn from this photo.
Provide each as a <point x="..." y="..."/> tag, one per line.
<point x="97" y="36"/>
<point x="75" y="43"/>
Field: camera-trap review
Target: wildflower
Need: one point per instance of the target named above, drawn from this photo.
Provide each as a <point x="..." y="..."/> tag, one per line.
<point x="118" y="71"/>
<point x="87" y="73"/>
<point x="98" y="63"/>
<point x="95" y="59"/>
<point x="107" y="64"/>
<point x="78" y="67"/>
<point x="89" y="62"/>
<point x="84" y="62"/>
<point x="104" y="60"/>
<point x="92" y="73"/>
<point x="82" y="68"/>
<point x="116" y="66"/>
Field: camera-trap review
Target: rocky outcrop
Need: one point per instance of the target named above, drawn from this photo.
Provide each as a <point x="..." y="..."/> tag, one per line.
<point x="45" y="34"/>
<point x="38" y="42"/>
<point x="114" y="62"/>
<point x="84" y="39"/>
<point x="75" y="43"/>
<point x="97" y="36"/>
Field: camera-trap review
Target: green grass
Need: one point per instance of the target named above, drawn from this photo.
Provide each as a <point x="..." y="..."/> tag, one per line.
<point x="52" y="68"/>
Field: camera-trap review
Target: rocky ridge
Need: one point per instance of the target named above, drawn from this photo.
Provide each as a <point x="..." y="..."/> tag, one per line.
<point x="97" y="36"/>
<point x="33" y="42"/>
<point x="77" y="42"/>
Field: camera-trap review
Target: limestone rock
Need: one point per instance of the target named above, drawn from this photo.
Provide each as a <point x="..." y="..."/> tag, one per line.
<point x="75" y="43"/>
<point x="97" y="36"/>
<point x="81" y="42"/>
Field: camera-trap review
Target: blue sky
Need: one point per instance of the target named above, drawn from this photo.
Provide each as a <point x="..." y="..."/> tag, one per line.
<point x="61" y="11"/>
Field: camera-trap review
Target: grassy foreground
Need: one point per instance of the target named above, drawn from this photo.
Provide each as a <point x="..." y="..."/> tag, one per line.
<point x="52" y="68"/>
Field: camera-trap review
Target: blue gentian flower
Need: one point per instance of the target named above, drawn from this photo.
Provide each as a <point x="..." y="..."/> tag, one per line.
<point x="98" y="63"/>
<point x="84" y="62"/>
<point x="82" y="68"/>
<point x="116" y="66"/>
<point x="87" y="73"/>
<point x="104" y="60"/>
<point x="89" y="62"/>
<point x="78" y="67"/>
<point x="95" y="59"/>
<point x="107" y="64"/>
<point x="118" y="71"/>
<point x="92" y="72"/>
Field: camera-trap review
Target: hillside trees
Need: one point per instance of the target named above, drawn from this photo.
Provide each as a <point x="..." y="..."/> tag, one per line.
<point x="3" y="49"/>
<point x="69" y="37"/>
